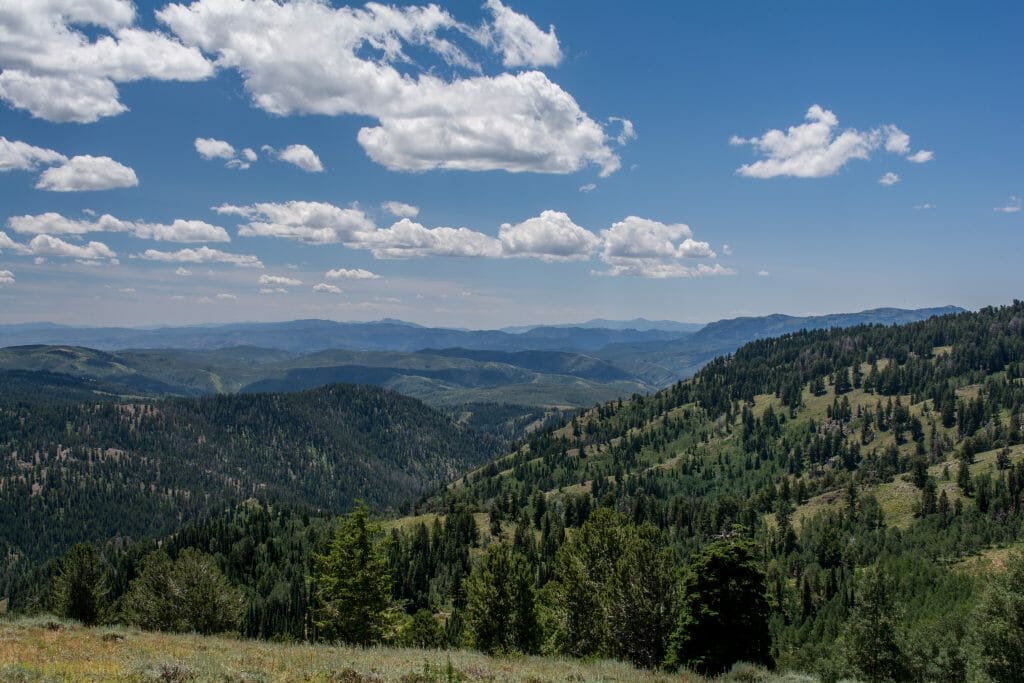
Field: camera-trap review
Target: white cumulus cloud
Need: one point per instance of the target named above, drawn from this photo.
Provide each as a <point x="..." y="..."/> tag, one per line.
<point x="179" y="230"/>
<point x="93" y="252"/>
<point x="635" y="237"/>
<point x="201" y="255"/>
<point x="299" y="57"/>
<point x="324" y="288"/>
<point x="86" y="172"/>
<point x="633" y="246"/>
<point x="401" y="209"/>
<point x="7" y="243"/>
<point x="641" y="247"/>
<point x="303" y="157"/>
<point x="407" y="239"/>
<point x="6" y="278"/>
<point x="815" y="150"/>
<point x="311" y="222"/>
<point x="351" y="274"/>
<point x="889" y="178"/>
<point x="21" y="156"/>
<point x="520" y="41"/>
<point x="279" y="280"/>
<point x="56" y="70"/>
<point x="211" y="148"/>
<point x="551" y="236"/>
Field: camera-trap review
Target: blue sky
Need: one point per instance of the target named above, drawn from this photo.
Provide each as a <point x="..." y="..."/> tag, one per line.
<point x="625" y="148"/>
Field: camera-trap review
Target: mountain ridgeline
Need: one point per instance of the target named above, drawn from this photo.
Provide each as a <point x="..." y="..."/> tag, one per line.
<point x="304" y="336"/>
<point x="538" y="368"/>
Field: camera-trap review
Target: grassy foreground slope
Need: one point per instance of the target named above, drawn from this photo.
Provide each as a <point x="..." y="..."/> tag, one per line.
<point x="44" y="649"/>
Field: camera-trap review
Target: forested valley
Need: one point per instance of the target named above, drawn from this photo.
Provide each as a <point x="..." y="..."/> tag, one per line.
<point x="845" y="503"/>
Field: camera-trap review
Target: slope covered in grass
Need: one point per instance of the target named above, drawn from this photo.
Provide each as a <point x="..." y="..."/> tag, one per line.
<point x="46" y="649"/>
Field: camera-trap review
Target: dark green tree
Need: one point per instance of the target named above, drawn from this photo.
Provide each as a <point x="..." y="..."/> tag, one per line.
<point x="584" y="567"/>
<point x="869" y="637"/>
<point x="501" y="612"/>
<point x="999" y="624"/>
<point x="79" y="589"/>
<point x="640" y="599"/>
<point x="723" y="611"/>
<point x="352" y="584"/>
<point x="188" y="594"/>
<point x="963" y="479"/>
<point x="148" y="603"/>
<point x="423" y="630"/>
<point x="206" y="600"/>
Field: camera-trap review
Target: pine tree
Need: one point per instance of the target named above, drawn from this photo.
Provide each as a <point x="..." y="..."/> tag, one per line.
<point x="79" y="589"/>
<point x="352" y="584"/>
<point x="188" y="594"/>
<point x="999" y="624"/>
<point x="869" y="637"/>
<point x="501" y="612"/>
<point x="963" y="479"/>
<point x="206" y="600"/>
<point x="640" y="599"/>
<point x="148" y="603"/>
<point x="584" y="567"/>
<point x="723" y="613"/>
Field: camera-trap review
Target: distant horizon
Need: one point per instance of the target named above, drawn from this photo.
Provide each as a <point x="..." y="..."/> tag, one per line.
<point x="524" y="326"/>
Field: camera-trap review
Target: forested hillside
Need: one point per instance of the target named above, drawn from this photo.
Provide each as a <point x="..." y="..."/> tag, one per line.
<point x="844" y="502"/>
<point x="876" y="471"/>
<point x="97" y="471"/>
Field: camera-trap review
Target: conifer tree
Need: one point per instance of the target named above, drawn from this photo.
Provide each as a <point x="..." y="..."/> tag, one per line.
<point x="869" y="635"/>
<point x="501" y="612"/>
<point x="999" y="624"/>
<point x="352" y="584"/>
<point x="188" y="594"/>
<point x="79" y="589"/>
<point x="723" y="612"/>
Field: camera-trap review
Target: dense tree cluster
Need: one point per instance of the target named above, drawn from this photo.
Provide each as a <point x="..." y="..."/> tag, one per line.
<point x="73" y="472"/>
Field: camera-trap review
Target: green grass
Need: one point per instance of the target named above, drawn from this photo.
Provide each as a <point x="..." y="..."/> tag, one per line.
<point x="897" y="498"/>
<point x="988" y="561"/>
<point x="46" y="649"/>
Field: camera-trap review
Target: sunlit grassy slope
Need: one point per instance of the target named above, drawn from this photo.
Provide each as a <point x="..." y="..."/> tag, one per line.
<point x="42" y="649"/>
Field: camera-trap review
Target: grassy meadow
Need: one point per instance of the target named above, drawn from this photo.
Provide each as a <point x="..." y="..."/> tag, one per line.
<point x="48" y="649"/>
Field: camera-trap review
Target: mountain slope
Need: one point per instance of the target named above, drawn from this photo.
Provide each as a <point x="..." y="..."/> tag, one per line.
<point x="536" y="379"/>
<point x="662" y="363"/>
<point x="95" y="471"/>
<point x="845" y="454"/>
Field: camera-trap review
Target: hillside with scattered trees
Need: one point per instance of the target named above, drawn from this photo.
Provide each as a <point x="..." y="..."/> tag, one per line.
<point x="847" y="503"/>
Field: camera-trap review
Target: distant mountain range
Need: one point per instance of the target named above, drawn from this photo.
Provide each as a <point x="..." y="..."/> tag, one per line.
<point x="662" y="363"/>
<point x="544" y="366"/>
<point x="640" y="324"/>
<point x="317" y="335"/>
